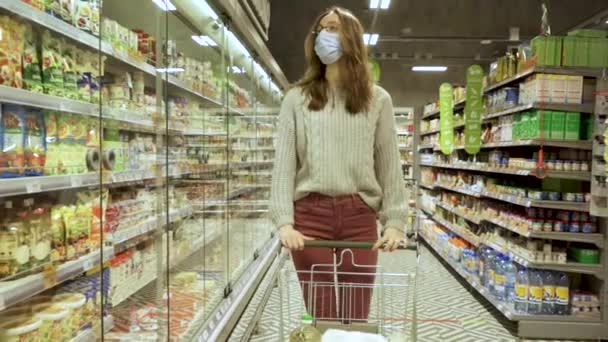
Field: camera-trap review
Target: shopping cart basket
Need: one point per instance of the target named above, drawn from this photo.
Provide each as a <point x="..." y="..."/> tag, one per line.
<point x="344" y="304"/>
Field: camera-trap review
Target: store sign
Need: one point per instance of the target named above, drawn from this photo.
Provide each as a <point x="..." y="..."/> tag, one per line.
<point x="446" y="118"/>
<point x="473" y="110"/>
<point x="375" y="70"/>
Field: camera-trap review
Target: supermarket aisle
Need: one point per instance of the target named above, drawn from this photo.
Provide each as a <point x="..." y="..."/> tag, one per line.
<point x="447" y="311"/>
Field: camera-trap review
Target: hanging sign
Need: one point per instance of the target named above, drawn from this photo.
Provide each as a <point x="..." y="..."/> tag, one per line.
<point x="473" y="109"/>
<point x="375" y="70"/>
<point x="446" y="118"/>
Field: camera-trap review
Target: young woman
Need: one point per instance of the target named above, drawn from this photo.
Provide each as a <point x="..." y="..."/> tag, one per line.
<point x="337" y="167"/>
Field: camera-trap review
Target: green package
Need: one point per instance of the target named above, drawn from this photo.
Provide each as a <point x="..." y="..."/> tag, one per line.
<point x="558" y="123"/>
<point x="572" y="126"/>
<point x="581" y="57"/>
<point x="588" y="33"/>
<point x="524" y="126"/>
<point x="70" y="76"/>
<point x="516" y="126"/>
<point x="32" y="76"/>
<point x="540" y="125"/>
<point x="569" y="51"/>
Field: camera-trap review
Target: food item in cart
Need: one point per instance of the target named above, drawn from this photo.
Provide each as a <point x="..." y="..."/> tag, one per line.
<point x="32" y="74"/>
<point x="306" y="332"/>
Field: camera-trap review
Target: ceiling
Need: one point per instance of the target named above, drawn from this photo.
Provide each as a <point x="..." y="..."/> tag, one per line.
<point x="427" y="32"/>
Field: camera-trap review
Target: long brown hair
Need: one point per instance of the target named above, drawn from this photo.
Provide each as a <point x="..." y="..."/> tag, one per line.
<point x="355" y="77"/>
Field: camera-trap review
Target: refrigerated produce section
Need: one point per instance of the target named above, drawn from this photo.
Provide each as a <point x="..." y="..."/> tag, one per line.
<point x="136" y="149"/>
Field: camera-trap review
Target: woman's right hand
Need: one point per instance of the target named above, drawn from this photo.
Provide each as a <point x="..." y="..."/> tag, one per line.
<point x="291" y="238"/>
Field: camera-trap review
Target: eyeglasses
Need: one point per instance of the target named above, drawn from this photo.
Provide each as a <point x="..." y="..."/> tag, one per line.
<point x="331" y="28"/>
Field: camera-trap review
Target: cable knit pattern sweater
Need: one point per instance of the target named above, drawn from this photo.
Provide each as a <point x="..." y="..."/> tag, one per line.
<point x="334" y="153"/>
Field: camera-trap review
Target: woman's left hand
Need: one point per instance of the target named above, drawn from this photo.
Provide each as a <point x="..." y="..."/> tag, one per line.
<point x="391" y="238"/>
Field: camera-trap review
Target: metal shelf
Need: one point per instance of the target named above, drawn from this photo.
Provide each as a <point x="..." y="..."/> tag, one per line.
<point x="579" y="108"/>
<point x="576" y="175"/>
<point x="426" y="147"/>
<point x="15" y="291"/>
<point x="460" y="231"/>
<point x="574" y="71"/>
<point x="428" y="187"/>
<point x="459" y="190"/>
<point x="456" y="212"/>
<point x="457" y="105"/>
<point x="574" y="144"/>
<point x="525" y="202"/>
<point x="595" y="238"/>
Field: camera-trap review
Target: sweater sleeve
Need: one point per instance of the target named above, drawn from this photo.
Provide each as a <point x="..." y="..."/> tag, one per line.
<point x="284" y="172"/>
<point x="387" y="160"/>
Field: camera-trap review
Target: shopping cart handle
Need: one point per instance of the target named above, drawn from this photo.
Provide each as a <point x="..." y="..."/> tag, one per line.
<point x="348" y="244"/>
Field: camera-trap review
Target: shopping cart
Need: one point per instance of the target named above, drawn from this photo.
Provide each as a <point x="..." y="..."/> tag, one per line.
<point x="392" y="294"/>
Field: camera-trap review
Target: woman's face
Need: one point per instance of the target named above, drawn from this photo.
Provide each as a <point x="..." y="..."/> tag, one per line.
<point x="330" y="23"/>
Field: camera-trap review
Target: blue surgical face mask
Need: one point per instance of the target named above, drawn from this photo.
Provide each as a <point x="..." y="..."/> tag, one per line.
<point x="328" y="47"/>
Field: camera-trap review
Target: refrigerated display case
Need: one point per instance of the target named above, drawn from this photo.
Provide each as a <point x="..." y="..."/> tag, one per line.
<point x="136" y="149"/>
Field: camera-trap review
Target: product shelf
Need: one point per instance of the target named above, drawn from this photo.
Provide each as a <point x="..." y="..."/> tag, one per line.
<point x="504" y="308"/>
<point x="434" y="131"/>
<point x="560" y="205"/>
<point x="426" y="147"/>
<point x="458" y="213"/>
<point x="593" y="238"/>
<point x="428" y="187"/>
<point x="15" y="291"/>
<point x="570" y="71"/>
<point x="457" y="105"/>
<point x="462" y="232"/>
<point x="459" y="190"/>
<point x="575" y="175"/>
<point x="586" y="145"/>
<point x="579" y="108"/>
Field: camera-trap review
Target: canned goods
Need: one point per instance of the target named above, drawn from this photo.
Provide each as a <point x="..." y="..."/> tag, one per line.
<point x="575" y="227"/>
<point x="560" y="226"/>
<point x="576" y="165"/>
<point x="589" y="227"/>
<point x="559" y="165"/>
<point x="568" y="165"/>
<point x="570" y="197"/>
<point x="531" y="212"/>
<point x="551" y="164"/>
<point x="537" y="225"/>
<point x="548" y="226"/>
<point x="563" y="216"/>
<point x="580" y="198"/>
<point x="584" y="166"/>
<point x="575" y="216"/>
<point x="554" y="196"/>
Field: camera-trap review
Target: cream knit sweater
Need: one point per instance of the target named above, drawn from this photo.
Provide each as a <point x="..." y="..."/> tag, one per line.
<point x="333" y="152"/>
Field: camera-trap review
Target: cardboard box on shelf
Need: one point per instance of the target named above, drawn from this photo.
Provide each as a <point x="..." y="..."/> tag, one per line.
<point x="540" y="124"/>
<point x="558" y="88"/>
<point x="574" y="89"/>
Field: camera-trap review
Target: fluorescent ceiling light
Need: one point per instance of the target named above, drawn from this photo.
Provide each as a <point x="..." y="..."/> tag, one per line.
<point x="171" y="70"/>
<point x="260" y="71"/>
<point x="207" y="10"/>
<point x="430" y="68"/>
<point x="204" y="40"/>
<point x="234" y="41"/>
<point x="486" y="42"/>
<point x="370" y="38"/>
<point x="165" y="5"/>
<point x="379" y="4"/>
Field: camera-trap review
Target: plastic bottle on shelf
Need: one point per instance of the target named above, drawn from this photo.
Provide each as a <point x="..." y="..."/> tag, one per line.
<point x="489" y="270"/>
<point x="548" y="293"/>
<point x="521" y="291"/>
<point x="511" y="278"/>
<point x="499" y="277"/>
<point x="305" y="332"/>
<point x="562" y="294"/>
<point x="482" y="261"/>
<point x="535" y="293"/>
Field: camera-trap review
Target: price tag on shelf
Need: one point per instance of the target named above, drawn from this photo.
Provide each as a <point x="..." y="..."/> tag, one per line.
<point x="32" y="187"/>
<point x="76" y="181"/>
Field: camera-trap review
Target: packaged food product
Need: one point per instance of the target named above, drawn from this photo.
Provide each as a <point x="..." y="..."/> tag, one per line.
<point x="52" y="74"/>
<point x="11" y="50"/>
<point x="12" y="127"/>
<point x="38" y="4"/>
<point x="69" y="68"/>
<point x="40" y="236"/>
<point x="74" y="303"/>
<point x="32" y="75"/>
<point x="34" y="142"/>
<point x="55" y="326"/>
<point x="58" y="238"/>
<point x="20" y="329"/>
<point x="62" y="9"/>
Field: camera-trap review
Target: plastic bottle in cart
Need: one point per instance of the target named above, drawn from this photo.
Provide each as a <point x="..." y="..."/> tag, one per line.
<point x="511" y="278"/>
<point x="535" y="293"/>
<point x="562" y="294"/>
<point x="548" y="293"/>
<point x="499" y="277"/>
<point x="521" y="291"/>
<point x="306" y="332"/>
